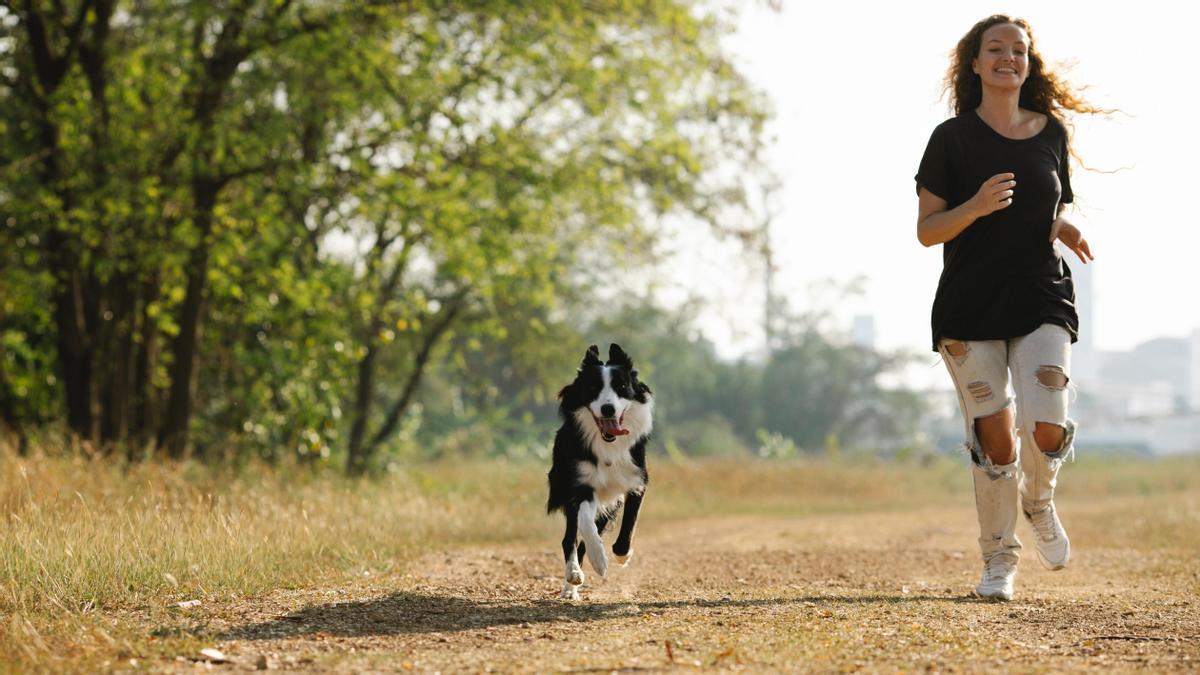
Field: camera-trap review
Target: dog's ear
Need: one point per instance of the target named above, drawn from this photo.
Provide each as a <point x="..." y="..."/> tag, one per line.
<point x="618" y="357"/>
<point x="639" y="386"/>
<point x="591" y="358"/>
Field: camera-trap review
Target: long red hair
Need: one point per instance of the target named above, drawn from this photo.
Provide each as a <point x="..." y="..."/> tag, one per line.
<point x="1043" y="91"/>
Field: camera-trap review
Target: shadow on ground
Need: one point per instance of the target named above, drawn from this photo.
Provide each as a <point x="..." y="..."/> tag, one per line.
<point x="415" y="613"/>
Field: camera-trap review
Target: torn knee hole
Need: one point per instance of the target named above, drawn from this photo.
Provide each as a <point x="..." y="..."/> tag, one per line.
<point x="980" y="391"/>
<point x="1049" y="437"/>
<point x="995" y="437"/>
<point x="957" y="349"/>
<point x="1052" y="377"/>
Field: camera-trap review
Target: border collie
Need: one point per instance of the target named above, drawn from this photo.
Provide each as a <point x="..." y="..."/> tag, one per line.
<point x="599" y="460"/>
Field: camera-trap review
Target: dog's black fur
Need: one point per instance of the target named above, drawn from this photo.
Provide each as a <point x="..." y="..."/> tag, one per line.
<point x="598" y="462"/>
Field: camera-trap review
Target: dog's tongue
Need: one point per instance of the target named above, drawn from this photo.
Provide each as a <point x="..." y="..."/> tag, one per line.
<point x="612" y="426"/>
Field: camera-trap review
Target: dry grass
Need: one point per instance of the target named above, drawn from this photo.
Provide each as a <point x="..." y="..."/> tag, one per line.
<point x="85" y="540"/>
<point x="83" y="534"/>
<point x="94" y="556"/>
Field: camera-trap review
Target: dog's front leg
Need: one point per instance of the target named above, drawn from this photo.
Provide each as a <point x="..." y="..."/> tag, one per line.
<point x="573" y="576"/>
<point x="623" y="546"/>
<point x="593" y="544"/>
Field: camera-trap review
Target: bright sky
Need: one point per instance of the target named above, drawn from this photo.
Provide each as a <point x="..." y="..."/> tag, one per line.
<point x="856" y="91"/>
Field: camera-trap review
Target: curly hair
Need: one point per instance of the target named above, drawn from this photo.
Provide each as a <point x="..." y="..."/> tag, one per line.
<point x="1043" y="91"/>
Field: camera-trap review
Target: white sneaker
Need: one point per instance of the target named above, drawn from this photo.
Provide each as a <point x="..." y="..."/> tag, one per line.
<point x="998" y="574"/>
<point x="1053" y="547"/>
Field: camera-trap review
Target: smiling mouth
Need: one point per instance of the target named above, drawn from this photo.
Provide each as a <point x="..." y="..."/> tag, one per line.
<point x="610" y="427"/>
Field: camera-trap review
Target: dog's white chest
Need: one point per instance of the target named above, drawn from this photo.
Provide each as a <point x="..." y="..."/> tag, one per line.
<point x="612" y="476"/>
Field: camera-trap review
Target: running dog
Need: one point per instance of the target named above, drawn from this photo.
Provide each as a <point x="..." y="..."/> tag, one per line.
<point x="599" y="460"/>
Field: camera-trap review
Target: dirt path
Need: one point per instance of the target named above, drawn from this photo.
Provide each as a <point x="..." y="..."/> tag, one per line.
<point x="874" y="591"/>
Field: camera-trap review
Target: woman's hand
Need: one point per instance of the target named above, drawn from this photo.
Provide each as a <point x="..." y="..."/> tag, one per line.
<point x="995" y="194"/>
<point x="1068" y="234"/>
<point x="936" y="225"/>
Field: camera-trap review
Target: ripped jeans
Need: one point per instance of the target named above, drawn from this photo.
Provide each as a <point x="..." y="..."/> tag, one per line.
<point x="1039" y="364"/>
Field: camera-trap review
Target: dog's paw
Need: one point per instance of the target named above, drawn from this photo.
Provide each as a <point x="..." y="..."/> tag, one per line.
<point x="598" y="559"/>
<point x="623" y="560"/>
<point x="574" y="575"/>
<point x="569" y="592"/>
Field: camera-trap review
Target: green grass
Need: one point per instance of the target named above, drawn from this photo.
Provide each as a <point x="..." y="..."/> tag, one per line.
<point x="85" y="543"/>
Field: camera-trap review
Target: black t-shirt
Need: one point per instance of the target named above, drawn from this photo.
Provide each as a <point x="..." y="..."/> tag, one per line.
<point x="1001" y="276"/>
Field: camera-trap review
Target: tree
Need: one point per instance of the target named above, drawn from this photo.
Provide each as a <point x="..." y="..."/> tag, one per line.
<point x="392" y="174"/>
<point x="817" y="386"/>
<point x="517" y="146"/>
<point x="122" y="113"/>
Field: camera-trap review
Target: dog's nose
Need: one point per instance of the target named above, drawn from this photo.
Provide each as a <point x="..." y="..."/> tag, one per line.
<point x="608" y="410"/>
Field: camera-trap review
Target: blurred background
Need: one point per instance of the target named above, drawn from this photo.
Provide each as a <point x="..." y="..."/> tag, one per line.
<point x="351" y="235"/>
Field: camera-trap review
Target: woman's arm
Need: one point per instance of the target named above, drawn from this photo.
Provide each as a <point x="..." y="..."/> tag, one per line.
<point x="1062" y="230"/>
<point x="936" y="225"/>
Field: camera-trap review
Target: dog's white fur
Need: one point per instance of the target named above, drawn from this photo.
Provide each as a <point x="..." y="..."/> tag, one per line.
<point x="615" y="473"/>
<point x="613" y="476"/>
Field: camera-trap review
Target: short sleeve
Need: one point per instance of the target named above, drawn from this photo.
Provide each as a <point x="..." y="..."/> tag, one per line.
<point x="934" y="173"/>
<point x="1064" y="169"/>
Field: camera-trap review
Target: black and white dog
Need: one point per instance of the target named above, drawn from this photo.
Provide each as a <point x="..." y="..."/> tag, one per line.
<point x="599" y="460"/>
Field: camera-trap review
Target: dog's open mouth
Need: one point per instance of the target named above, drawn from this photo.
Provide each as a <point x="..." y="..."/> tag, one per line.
<point x="610" y="427"/>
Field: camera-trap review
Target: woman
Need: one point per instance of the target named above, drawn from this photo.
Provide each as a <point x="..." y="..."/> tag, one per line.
<point x="992" y="188"/>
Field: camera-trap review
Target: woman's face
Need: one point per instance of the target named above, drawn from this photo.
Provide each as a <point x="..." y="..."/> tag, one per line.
<point x="1003" y="59"/>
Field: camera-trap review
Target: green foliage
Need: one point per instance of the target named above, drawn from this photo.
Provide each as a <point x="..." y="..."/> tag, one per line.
<point x="774" y="445"/>
<point x="28" y="384"/>
<point x="258" y="229"/>
<point x="706" y="405"/>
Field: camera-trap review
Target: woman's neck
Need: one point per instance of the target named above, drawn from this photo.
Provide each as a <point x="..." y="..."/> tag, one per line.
<point x="1001" y="109"/>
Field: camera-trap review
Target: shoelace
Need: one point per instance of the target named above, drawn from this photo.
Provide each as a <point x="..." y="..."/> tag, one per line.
<point x="996" y="570"/>
<point x="1044" y="524"/>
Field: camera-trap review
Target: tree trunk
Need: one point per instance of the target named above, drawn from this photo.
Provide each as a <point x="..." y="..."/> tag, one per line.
<point x="50" y="63"/>
<point x="117" y="368"/>
<point x="112" y="327"/>
<point x="356" y="459"/>
<point x="74" y="358"/>
<point x="420" y="362"/>
<point x="144" y="398"/>
<point x="184" y="350"/>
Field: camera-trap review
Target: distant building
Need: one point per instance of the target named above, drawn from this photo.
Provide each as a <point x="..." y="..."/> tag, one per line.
<point x="1150" y="379"/>
<point x="1194" y="389"/>
<point x="1149" y="435"/>
<point x="862" y="331"/>
<point x="1144" y="399"/>
<point x="1085" y="363"/>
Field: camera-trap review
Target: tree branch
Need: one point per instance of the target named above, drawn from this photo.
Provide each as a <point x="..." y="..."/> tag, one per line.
<point x="225" y="177"/>
<point x="22" y="163"/>
<point x="455" y="306"/>
<point x="76" y="27"/>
